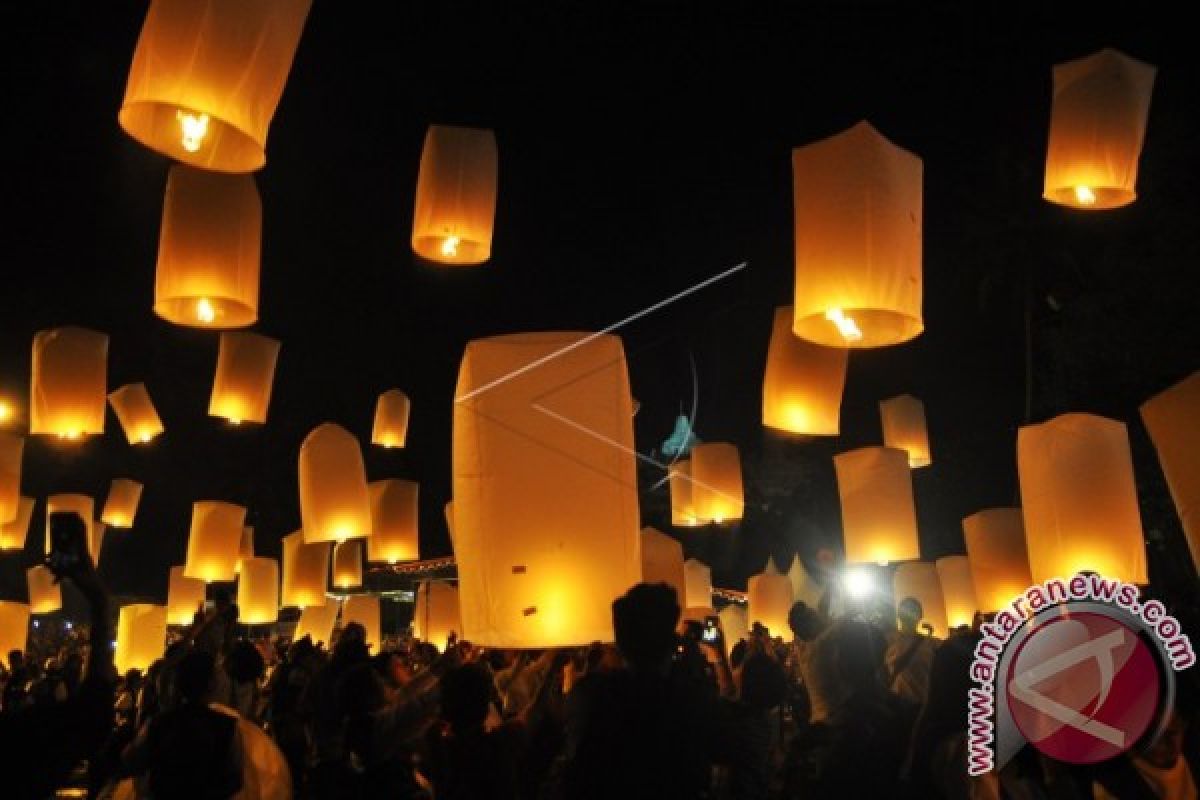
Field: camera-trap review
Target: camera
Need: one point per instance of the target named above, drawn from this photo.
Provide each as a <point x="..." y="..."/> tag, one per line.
<point x="712" y="630"/>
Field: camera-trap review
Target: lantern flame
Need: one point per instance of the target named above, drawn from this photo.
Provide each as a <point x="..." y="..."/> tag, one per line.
<point x="450" y="246"/>
<point x="1085" y="196"/>
<point x="6" y="411"/>
<point x="205" y="311"/>
<point x="194" y="129"/>
<point x="846" y="326"/>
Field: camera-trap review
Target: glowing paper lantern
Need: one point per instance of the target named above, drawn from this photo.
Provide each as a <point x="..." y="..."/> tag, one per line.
<point x="206" y="77"/>
<point x="347" y="564"/>
<point x="208" y="250"/>
<point x="80" y="504"/>
<point x="393" y="521"/>
<point x="8" y="411"/>
<point x="391" y="419"/>
<point x="545" y="499"/>
<point x="317" y="623"/>
<point x="184" y="596"/>
<point x="68" y="386"/>
<point x="364" y="609"/>
<point x="662" y="561"/>
<point x="903" y="419"/>
<point x="12" y="534"/>
<point x="958" y="590"/>
<point x="803" y="382"/>
<point x="995" y="541"/>
<point x="213" y="541"/>
<point x="141" y="636"/>
<point x="456" y="196"/>
<point x="1078" y="499"/>
<point x="11" y="448"/>
<point x="697" y="579"/>
<point x="122" y="503"/>
<point x="1097" y="126"/>
<point x="717" y="482"/>
<point x="683" y="510"/>
<point x="879" y="521"/>
<point x="135" y="411"/>
<point x="734" y="625"/>
<point x="45" y="594"/>
<point x="769" y="600"/>
<point x="857" y="200"/>
<point x="245" y="548"/>
<point x="1173" y="420"/>
<point x="14" y="627"/>
<point x="245" y="371"/>
<point x="335" y="504"/>
<point x="919" y="580"/>
<point x="305" y="568"/>
<point x="258" y="591"/>
<point x="437" y="613"/>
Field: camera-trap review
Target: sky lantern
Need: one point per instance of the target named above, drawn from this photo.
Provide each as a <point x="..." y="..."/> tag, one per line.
<point x="213" y="541"/>
<point x="184" y="596"/>
<point x="258" y="591"/>
<point x="80" y="504"/>
<point x="11" y="448"/>
<point x="545" y="489"/>
<point x="697" y="590"/>
<point x="391" y="419"/>
<point x="995" y="540"/>
<point x="662" y="561"/>
<point x="206" y="77"/>
<point x="14" y="627"/>
<point x="364" y="609"/>
<point x="769" y="600"/>
<point x="136" y="413"/>
<point x="12" y="534"/>
<point x="141" y="636"/>
<point x="803" y="382"/>
<point x="245" y="547"/>
<point x="334" y="502"/>
<point x="1097" y="125"/>
<point x="305" y="569"/>
<point x="903" y="420"/>
<point x="1078" y="499"/>
<point x="734" y="624"/>
<point x="456" y="196"/>
<point x="96" y="539"/>
<point x="347" y="564"/>
<point x="245" y="371"/>
<point x="683" y="510"/>
<point x="717" y="482"/>
<point x="879" y="520"/>
<point x="45" y="593"/>
<point x="857" y="201"/>
<point x="121" y="505"/>
<point x="919" y="580"/>
<point x="437" y="612"/>
<point x="1173" y="421"/>
<point x="69" y="382"/>
<point x="317" y="623"/>
<point x="393" y="521"/>
<point x="958" y="590"/>
<point x="208" y="250"/>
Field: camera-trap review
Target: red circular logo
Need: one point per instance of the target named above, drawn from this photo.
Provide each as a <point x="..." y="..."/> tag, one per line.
<point x="1083" y="688"/>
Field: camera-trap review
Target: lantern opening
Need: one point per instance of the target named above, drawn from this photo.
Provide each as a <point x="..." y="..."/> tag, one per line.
<point x="1085" y="196"/>
<point x="846" y="326"/>
<point x="194" y="128"/>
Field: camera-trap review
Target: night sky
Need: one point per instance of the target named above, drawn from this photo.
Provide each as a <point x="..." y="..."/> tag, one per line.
<point x="641" y="150"/>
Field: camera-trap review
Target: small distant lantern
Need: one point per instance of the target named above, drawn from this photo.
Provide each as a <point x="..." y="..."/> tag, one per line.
<point x="45" y="593"/>
<point x="184" y="597"/>
<point x="245" y="548"/>
<point x="437" y="614"/>
<point x="14" y="627"/>
<point x="68" y="387"/>
<point x="347" y="564"/>
<point x="208" y="250"/>
<point x="213" y="541"/>
<point x="364" y="609"/>
<point x="662" y="561"/>
<point x="245" y="371"/>
<point x="958" y="590"/>
<point x="316" y="622"/>
<point x="879" y="520"/>
<point x="206" y="77"/>
<point x="1173" y="421"/>
<point x="735" y="625"/>
<point x="96" y="539"/>
<point x="903" y="419"/>
<point x="995" y="539"/>
<point x="697" y="584"/>
<point x="141" y="636"/>
<point x="803" y="382"/>
<point x="12" y="534"/>
<point x="683" y="510"/>
<point x="456" y="196"/>
<point x="391" y="419"/>
<point x="394" y="520"/>
<point x="305" y="569"/>
<point x="334" y="502"/>
<point x="1078" y="499"/>
<point x="258" y="591"/>
<point x="11" y="449"/>
<point x="769" y="599"/>
<point x="1097" y="126"/>
<point x="717" y="493"/>
<point x="121" y="506"/>
<point x="80" y="504"/>
<point x="919" y="580"/>
<point x="857" y="200"/>
<point x="136" y="413"/>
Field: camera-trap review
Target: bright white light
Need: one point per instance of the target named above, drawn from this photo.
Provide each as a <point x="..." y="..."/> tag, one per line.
<point x="1085" y="196"/>
<point x="205" y="311"/>
<point x="858" y="582"/>
<point x="846" y="326"/>
<point x="450" y="246"/>
<point x="193" y="127"/>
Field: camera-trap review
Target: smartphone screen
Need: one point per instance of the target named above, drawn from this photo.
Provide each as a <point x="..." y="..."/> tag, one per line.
<point x="712" y="630"/>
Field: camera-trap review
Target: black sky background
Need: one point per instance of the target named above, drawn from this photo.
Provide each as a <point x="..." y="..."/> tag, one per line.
<point x="643" y="148"/>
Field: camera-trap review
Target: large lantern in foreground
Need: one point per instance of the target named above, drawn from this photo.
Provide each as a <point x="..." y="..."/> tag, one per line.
<point x="305" y="568"/>
<point x="347" y="564"/>
<point x="317" y="623"/>
<point x="803" y="382"/>
<point x="456" y="196"/>
<point x="1173" y="420"/>
<point x="391" y="419"/>
<point x="903" y="420"/>
<point x="697" y="592"/>
<point x="1097" y="126"/>
<point x="805" y="588"/>
<point x="879" y="520"/>
<point x="208" y="250"/>
<point x="45" y="593"/>
<point x="14" y="627"/>
<point x="919" y="580"/>
<point x="334" y="502"/>
<point x="995" y="539"/>
<point x="141" y="636"/>
<point x="206" y="77"/>
<point x="245" y="371"/>
<point x="1078" y="499"/>
<point x="213" y="541"/>
<point x="11" y="448"/>
<point x="120" y="507"/>
<point x="136" y="413"/>
<point x="12" y="534"/>
<point x="67" y="390"/>
<point x="393" y="521"/>
<point x="184" y="596"/>
<point x="258" y="591"/>
<point x="683" y="510"/>
<point x="662" y="561"/>
<point x="857" y="201"/>
<point x="545" y="489"/>
<point x="79" y="504"/>
<point x="717" y="494"/>
<point x="769" y="599"/>
<point x="958" y="590"/>
<point x="364" y="609"/>
<point x="437" y="612"/>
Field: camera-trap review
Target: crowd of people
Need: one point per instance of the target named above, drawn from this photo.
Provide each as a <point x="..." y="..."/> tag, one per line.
<point x="862" y="704"/>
